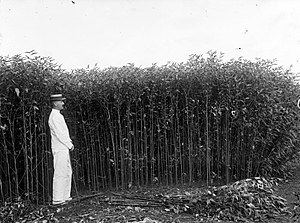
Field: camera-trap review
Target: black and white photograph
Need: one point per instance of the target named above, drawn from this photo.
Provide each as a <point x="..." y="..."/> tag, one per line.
<point x="149" y="111"/>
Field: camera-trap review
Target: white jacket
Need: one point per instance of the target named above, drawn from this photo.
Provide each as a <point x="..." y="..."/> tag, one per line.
<point x="60" y="137"/>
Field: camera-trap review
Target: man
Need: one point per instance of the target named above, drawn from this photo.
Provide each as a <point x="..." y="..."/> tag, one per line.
<point x="60" y="144"/>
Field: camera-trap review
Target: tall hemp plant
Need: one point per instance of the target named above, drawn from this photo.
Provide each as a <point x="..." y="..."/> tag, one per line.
<point x="202" y="121"/>
<point x="25" y="85"/>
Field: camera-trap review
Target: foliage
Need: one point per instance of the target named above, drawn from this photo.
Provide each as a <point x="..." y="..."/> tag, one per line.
<point x="202" y="120"/>
<point x="25" y="85"/>
<point x="249" y="199"/>
<point x="12" y="210"/>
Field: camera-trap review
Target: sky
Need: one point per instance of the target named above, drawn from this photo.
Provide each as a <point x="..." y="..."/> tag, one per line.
<point x="82" y="33"/>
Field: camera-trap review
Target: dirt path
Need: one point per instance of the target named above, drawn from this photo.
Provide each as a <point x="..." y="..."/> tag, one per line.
<point x="289" y="190"/>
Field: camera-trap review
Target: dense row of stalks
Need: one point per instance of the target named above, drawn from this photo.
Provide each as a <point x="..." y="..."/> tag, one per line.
<point x="201" y="121"/>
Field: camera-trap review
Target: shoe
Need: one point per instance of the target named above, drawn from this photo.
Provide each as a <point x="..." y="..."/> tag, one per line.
<point x="69" y="199"/>
<point x="57" y="203"/>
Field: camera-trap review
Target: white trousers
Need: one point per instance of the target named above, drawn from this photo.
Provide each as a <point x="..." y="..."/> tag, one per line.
<point x="62" y="178"/>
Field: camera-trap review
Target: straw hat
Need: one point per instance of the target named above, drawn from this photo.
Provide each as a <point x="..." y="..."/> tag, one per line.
<point x="57" y="97"/>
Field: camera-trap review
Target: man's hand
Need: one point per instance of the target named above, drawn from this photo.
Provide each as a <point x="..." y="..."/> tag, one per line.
<point x="72" y="148"/>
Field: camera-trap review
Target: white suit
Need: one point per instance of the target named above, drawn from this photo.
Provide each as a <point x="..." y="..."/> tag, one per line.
<point x="61" y="143"/>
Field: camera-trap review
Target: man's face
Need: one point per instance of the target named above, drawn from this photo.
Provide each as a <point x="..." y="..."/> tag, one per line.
<point x="59" y="105"/>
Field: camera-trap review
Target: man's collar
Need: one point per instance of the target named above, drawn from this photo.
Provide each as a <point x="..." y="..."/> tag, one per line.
<point x="55" y="110"/>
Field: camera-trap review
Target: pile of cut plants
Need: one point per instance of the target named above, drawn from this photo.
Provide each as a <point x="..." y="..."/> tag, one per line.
<point x="246" y="200"/>
<point x="249" y="200"/>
